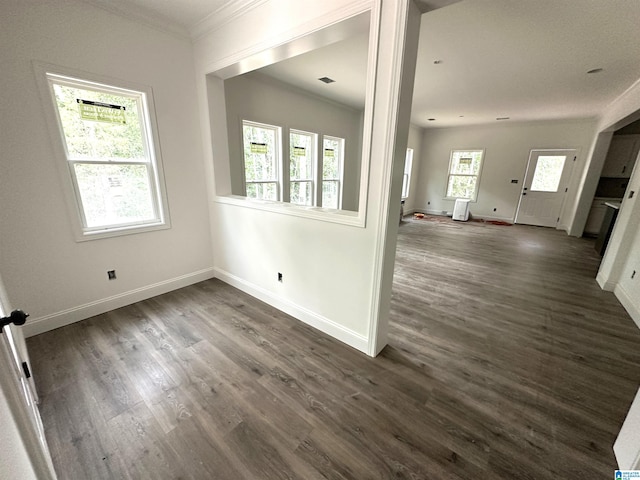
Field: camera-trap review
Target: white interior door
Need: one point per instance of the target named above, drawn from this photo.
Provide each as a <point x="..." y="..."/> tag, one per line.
<point x="19" y="390"/>
<point x="545" y="187"/>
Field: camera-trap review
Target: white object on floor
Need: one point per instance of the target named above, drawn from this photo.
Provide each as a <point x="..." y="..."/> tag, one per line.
<point x="461" y="209"/>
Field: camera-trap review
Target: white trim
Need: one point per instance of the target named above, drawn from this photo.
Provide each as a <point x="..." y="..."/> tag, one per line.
<point x="343" y="217"/>
<point x="325" y="325"/>
<point x="82" y="312"/>
<point x="237" y="59"/>
<point x="428" y="211"/>
<point x="627" y="302"/>
<point x="388" y="112"/>
<point x="604" y="282"/>
<point x="223" y="15"/>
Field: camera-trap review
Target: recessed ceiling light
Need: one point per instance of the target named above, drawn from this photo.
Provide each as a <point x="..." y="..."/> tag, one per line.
<point x="326" y="80"/>
<point x="502" y="118"/>
<point x="595" y="70"/>
<point x="431" y="119"/>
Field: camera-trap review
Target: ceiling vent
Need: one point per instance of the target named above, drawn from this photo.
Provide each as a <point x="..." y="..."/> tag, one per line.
<point x="326" y="80"/>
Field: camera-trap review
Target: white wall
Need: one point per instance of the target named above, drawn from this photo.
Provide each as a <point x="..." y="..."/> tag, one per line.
<point x="46" y="272"/>
<point x="263" y="99"/>
<point x="332" y="272"/>
<point x="507" y="148"/>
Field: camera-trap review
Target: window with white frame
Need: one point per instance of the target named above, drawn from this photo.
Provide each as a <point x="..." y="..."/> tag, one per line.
<point x="262" y="157"/>
<point x="332" y="168"/>
<point x="110" y="154"/>
<point x="406" y="178"/>
<point x="464" y="174"/>
<point x="302" y="161"/>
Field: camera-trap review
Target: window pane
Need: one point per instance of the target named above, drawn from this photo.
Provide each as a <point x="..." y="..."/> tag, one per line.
<point x="98" y="125"/>
<point x="465" y="162"/>
<point x="263" y="191"/>
<point x="332" y="157"/>
<point x="301" y="147"/>
<point x="260" y="153"/>
<point x="546" y="177"/>
<point x="330" y="193"/>
<point x="301" y="193"/>
<point x="114" y="194"/>
<point x="461" y="186"/>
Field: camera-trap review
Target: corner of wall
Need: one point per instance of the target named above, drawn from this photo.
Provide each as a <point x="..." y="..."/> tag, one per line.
<point x="319" y="322"/>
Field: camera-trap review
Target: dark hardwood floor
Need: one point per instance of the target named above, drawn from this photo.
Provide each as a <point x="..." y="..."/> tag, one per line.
<point x="505" y="360"/>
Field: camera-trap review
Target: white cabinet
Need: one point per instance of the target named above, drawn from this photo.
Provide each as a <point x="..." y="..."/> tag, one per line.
<point x="621" y="156"/>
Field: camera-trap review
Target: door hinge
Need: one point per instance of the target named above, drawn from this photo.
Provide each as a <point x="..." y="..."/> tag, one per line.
<point x="558" y="220"/>
<point x="566" y="190"/>
<point x="25" y="367"/>
<point x="574" y="158"/>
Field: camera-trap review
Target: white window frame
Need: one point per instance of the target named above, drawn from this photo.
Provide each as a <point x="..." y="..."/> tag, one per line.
<point x="340" y="178"/>
<point x="49" y="74"/>
<point x="314" y="165"/>
<point x="278" y="168"/>
<point x="406" y="177"/>
<point x="449" y="174"/>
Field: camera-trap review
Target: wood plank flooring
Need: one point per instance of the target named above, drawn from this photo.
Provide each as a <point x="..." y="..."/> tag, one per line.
<point x="505" y="360"/>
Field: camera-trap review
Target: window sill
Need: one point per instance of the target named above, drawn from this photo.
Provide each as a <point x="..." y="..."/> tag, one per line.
<point x="119" y="231"/>
<point x="344" y="217"/>
<point x="453" y="199"/>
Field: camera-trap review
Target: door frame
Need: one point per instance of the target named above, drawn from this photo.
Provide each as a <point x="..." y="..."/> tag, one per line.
<point x="576" y="151"/>
<point x="38" y="455"/>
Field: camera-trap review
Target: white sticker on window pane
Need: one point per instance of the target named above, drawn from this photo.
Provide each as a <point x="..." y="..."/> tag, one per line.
<point x="546" y="177"/>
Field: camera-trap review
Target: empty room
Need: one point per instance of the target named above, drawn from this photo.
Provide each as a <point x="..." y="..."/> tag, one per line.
<point x="344" y="239"/>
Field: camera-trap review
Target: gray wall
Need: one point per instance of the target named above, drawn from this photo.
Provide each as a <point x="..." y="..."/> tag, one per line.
<point x="259" y="98"/>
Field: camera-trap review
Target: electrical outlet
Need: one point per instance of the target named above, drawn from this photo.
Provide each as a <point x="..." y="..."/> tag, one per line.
<point x="279" y="277"/>
<point x="111" y="274"/>
<point x="514" y="180"/>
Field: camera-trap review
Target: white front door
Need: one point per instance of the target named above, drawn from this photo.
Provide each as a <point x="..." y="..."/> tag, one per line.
<point x="545" y="187"/>
<point x="18" y="388"/>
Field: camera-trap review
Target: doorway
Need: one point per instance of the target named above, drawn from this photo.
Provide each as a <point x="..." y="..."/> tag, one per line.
<point x="545" y="187"/>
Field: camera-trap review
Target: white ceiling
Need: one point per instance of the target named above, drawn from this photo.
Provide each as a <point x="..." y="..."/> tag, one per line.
<point x="523" y="59"/>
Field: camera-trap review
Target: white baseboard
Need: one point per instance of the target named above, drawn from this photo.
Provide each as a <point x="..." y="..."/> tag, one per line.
<point x="632" y="308"/>
<point x="429" y="211"/>
<point x="492" y="217"/>
<point x="82" y="312"/>
<point x="331" y="328"/>
<point x="604" y="283"/>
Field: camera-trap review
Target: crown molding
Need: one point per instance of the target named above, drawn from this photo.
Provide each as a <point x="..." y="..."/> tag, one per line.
<point x="223" y="15"/>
